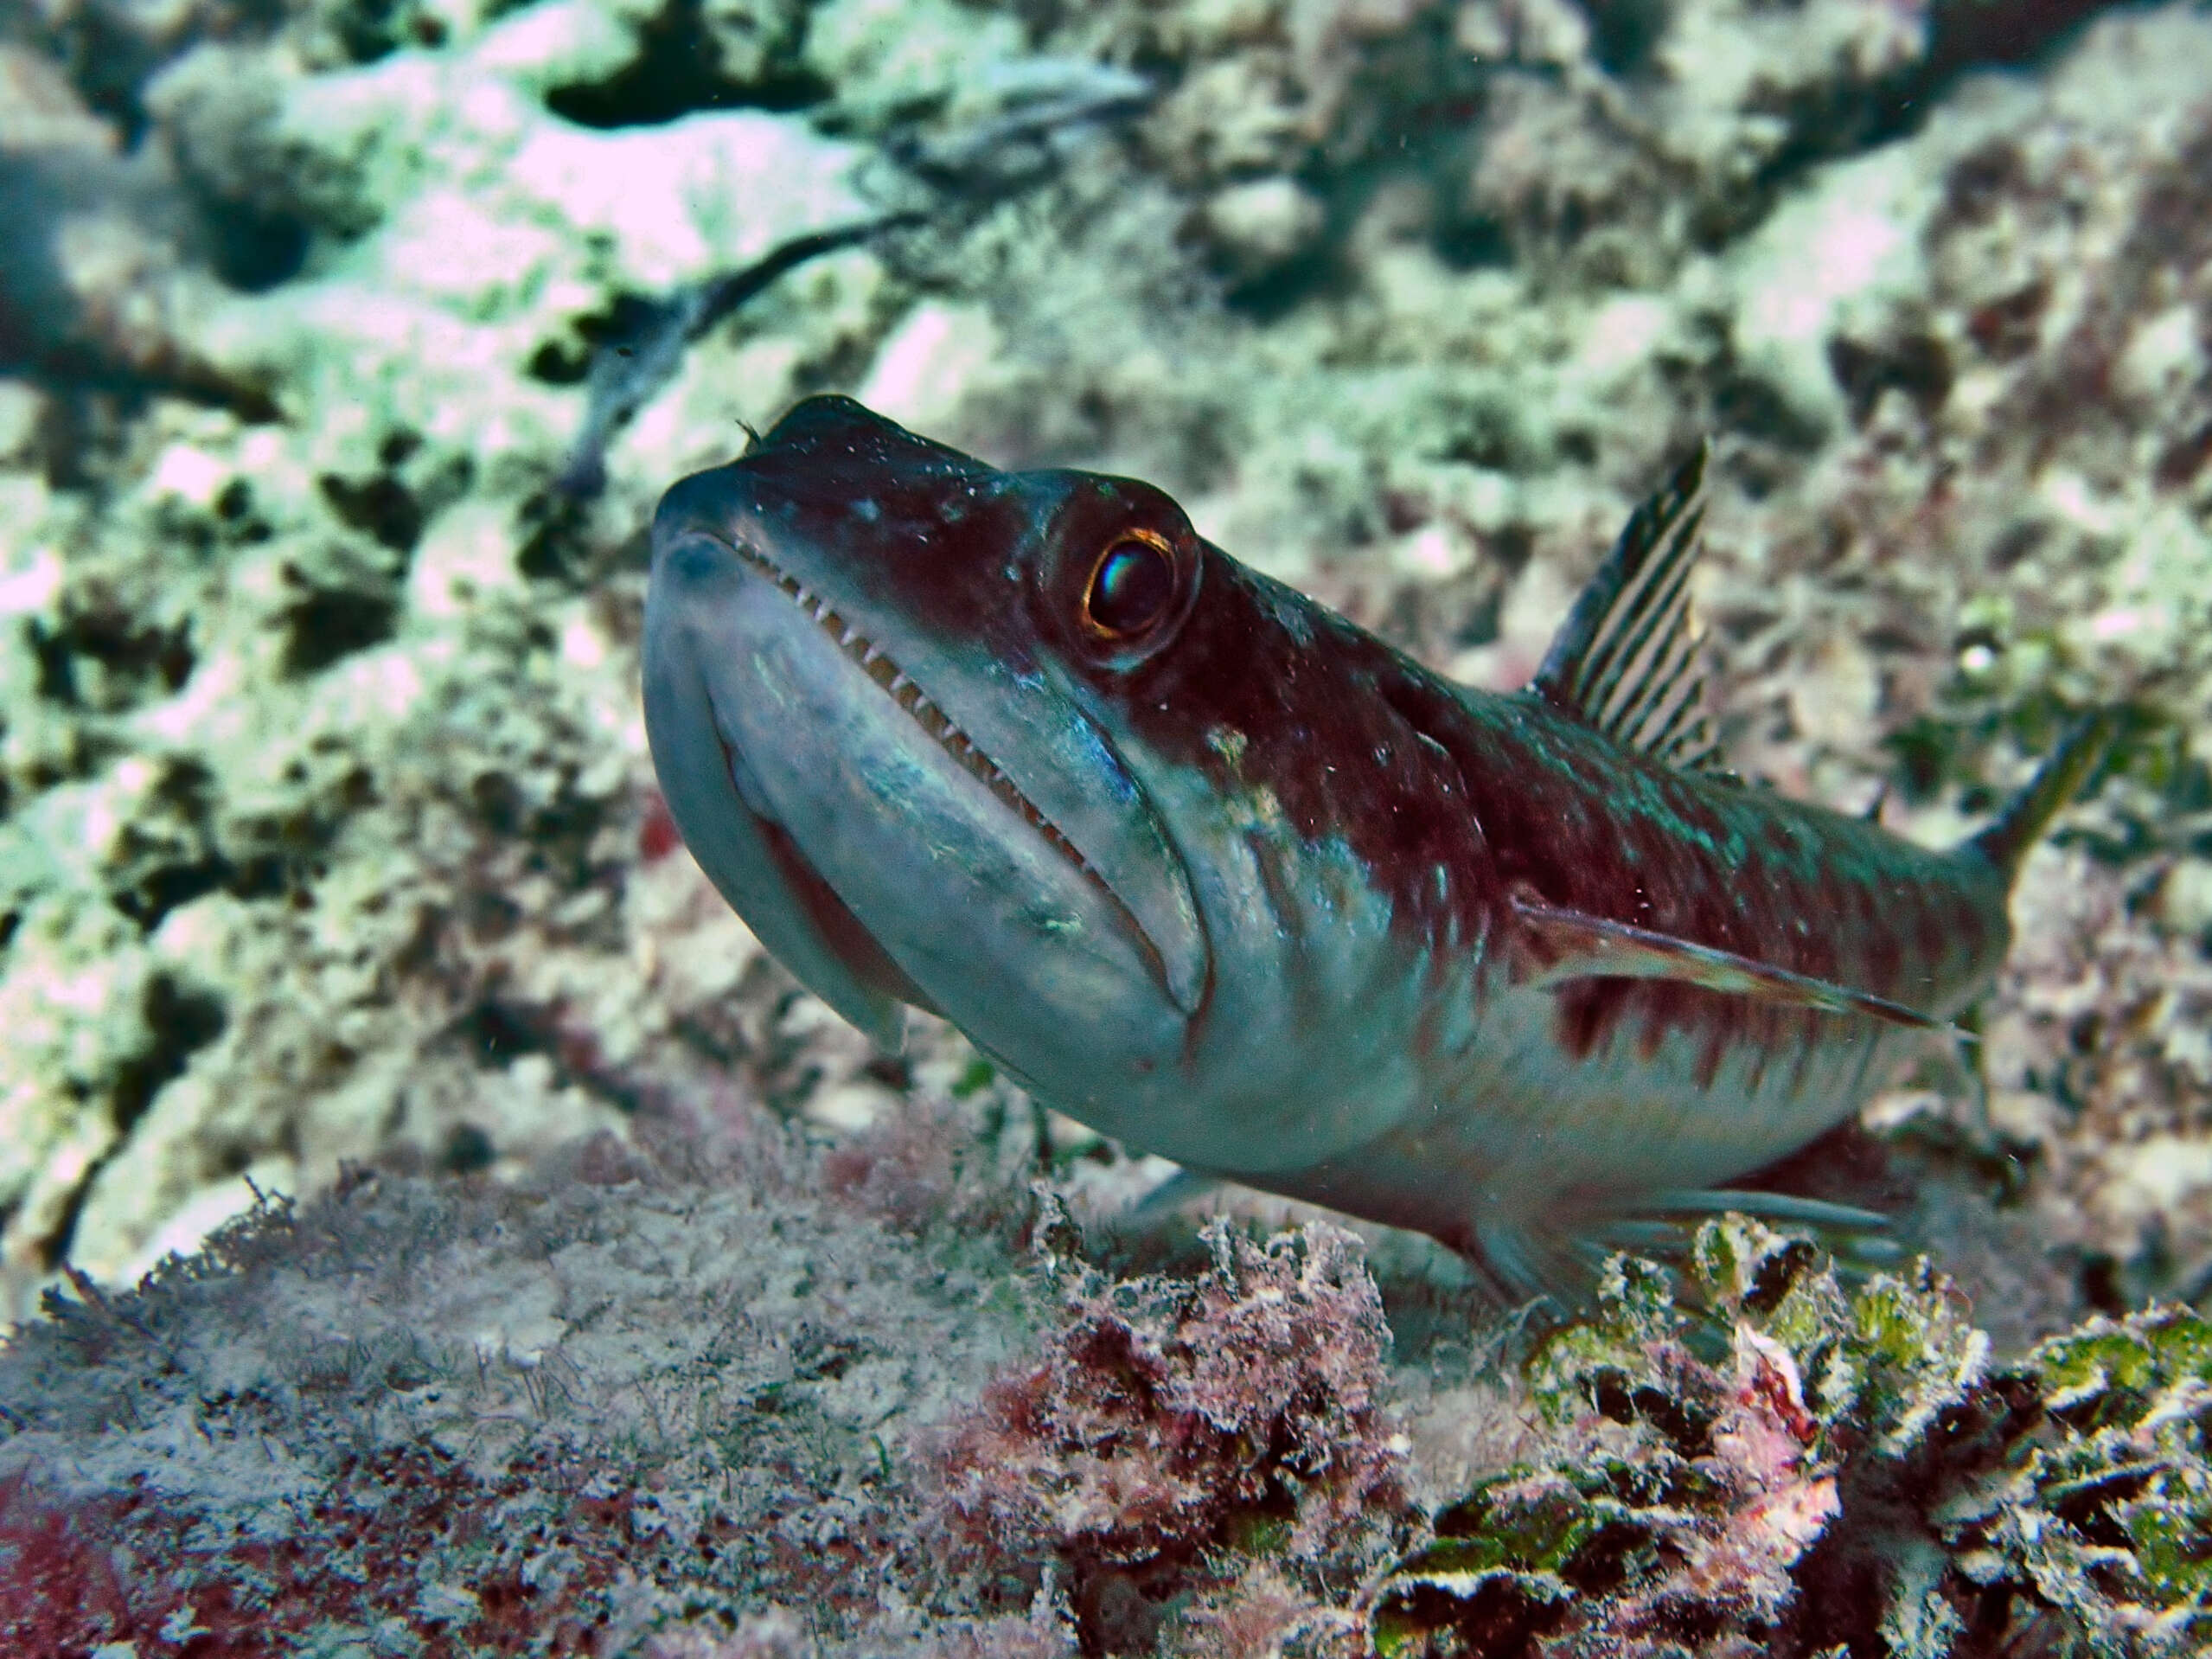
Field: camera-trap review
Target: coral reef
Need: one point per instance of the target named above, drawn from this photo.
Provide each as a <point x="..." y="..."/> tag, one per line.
<point x="1848" y="1474"/>
<point x="647" y="1395"/>
<point x="328" y="825"/>
<point x="328" y="841"/>
<point x="1239" y="1412"/>
<point x="210" y="959"/>
<point x="678" y="1402"/>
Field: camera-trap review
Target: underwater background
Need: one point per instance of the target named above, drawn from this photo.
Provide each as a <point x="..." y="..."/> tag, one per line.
<point x="630" y="1301"/>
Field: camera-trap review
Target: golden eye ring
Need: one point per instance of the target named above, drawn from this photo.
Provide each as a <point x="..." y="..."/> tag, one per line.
<point x="1131" y="587"/>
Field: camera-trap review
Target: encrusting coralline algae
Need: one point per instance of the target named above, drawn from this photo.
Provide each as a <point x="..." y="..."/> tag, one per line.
<point x="328" y="833"/>
<point x="703" y="1401"/>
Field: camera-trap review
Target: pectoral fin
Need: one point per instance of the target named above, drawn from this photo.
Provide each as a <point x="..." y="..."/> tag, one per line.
<point x="1574" y="945"/>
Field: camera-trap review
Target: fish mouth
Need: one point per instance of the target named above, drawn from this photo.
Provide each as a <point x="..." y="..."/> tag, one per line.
<point x="879" y="666"/>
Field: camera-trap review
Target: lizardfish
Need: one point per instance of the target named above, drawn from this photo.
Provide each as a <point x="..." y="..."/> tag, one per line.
<point x="1205" y="866"/>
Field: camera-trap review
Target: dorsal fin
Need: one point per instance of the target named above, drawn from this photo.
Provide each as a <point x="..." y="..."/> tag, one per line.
<point x="1624" y="662"/>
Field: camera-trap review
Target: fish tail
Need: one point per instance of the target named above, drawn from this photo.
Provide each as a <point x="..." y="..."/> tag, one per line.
<point x="2080" y="753"/>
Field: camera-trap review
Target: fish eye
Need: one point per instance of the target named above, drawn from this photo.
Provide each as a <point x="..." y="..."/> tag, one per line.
<point x="1132" y="585"/>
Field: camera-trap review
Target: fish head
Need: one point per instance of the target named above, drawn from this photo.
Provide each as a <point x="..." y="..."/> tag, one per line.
<point x="872" y="674"/>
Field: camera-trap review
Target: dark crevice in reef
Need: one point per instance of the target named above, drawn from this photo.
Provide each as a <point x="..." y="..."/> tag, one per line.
<point x="188" y="790"/>
<point x="680" y="68"/>
<point x="164" y="888"/>
<point x="467" y="1150"/>
<point x="138" y="662"/>
<point x="1624" y="33"/>
<point x="335" y="618"/>
<point x="499" y="1031"/>
<point x="380" y="506"/>
<point x="372" y="29"/>
<point x="251" y="250"/>
<point x="394" y="503"/>
<point x="171" y="887"/>
<point x="327" y="625"/>
<point x="182" y="1020"/>
<point x="1917" y="364"/>
<point x="1963" y="36"/>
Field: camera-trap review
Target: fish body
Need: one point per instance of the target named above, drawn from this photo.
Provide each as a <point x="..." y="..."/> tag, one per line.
<point x="1208" y="867"/>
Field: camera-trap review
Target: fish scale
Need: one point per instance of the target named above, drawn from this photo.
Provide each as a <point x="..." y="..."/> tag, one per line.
<point x="1206" y="865"/>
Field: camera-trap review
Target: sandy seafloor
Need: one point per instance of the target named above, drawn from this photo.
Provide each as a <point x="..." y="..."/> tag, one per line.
<point x="331" y="852"/>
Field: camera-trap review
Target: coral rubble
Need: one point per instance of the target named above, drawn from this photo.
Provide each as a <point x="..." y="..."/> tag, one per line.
<point x="680" y="1403"/>
<point x="1175" y="1420"/>
<point x="641" y="1397"/>
<point x="329" y="825"/>
<point x="1850" y="1473"/>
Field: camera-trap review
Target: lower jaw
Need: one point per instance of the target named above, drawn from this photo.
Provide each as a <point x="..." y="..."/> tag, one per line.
<point x="855" y="946"/>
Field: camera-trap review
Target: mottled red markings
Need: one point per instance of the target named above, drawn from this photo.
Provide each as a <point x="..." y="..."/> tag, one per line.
<point x="1768" y="1386"/>
<point x="656" y="832"/>
<point x="1581" y="824"/>
<point x="1929" y="933"/>
<point x="1808" y="1028"/>
<point x="1968" y="932"/>
<point x="1712" y="1049"/>
<point x="1587" y="1010"/>
<point x="1883" y="956"/>
<point x="1508" y="792"/>
<point x="2184" y="458"/>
